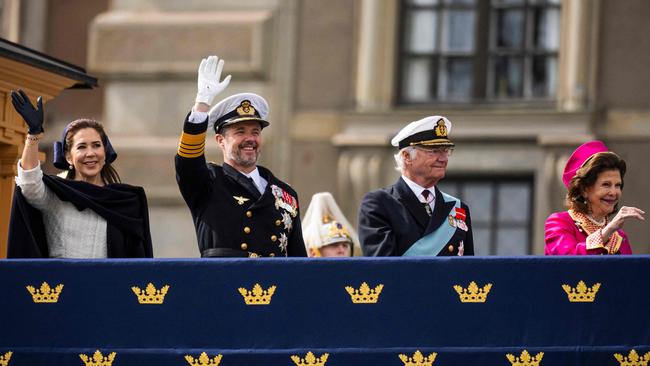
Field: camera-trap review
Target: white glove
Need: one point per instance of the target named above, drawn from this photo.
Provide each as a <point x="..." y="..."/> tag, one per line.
<point x="208" y="81"/>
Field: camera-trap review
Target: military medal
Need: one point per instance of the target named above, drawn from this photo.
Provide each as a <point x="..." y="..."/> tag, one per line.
<point x="287" y="221"/>
<point x="460" y="218"/>
<point x="285" y="200"/>
<point x="452" y="221"/>
<point x="284" y="241"/>
<point x="461" y="248"/>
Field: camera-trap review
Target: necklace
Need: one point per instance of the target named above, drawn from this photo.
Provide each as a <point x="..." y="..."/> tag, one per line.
<point x="598" y="223"/>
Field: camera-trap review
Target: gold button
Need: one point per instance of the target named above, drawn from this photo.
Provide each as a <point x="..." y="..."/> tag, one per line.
<point x="450" y="248"/>
<point x="272" y="255"/>
<point x="274" y="238"/>
<point x="249" y="214"/>
<point x="278" y="222"/>
<point x="247" y="230"/>
<point x="243" y="246"/>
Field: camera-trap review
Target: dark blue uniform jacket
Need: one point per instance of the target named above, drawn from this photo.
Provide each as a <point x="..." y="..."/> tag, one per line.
<point x="392" y="219"/>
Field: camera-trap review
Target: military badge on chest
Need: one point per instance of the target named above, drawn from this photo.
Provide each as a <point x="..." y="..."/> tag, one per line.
<point x="285" y="201"/>
<point x="457" y="220"/>
<point x="241" y="199"/>
<point x="288" y="205"/>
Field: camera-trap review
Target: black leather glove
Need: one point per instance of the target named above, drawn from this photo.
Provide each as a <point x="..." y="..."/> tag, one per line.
<point x="33" y="117"/>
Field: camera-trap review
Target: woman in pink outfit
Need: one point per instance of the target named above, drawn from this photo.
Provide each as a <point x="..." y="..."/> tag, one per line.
<point x="594" y="179"/>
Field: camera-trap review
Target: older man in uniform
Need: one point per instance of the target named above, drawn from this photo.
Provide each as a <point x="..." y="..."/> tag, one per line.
<point x="413" y="217"/>
<point x="239" y="209"/>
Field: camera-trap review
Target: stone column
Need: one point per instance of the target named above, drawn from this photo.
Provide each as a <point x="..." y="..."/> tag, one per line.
<point x="375" y="65"/>
<point x="578" y="54"/>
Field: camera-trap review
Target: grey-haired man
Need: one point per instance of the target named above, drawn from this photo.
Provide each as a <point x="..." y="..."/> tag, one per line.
<point x="413" y="217"/>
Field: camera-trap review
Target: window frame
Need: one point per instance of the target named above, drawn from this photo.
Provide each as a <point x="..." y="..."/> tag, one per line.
<point x="461" y="180"/>
<point x="483" y="55"/>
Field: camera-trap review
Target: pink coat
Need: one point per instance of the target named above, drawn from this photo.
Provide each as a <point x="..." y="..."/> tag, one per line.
<point x="562" y="237"/>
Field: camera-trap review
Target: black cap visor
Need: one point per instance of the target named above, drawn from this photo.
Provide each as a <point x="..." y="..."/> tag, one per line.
<point x="219" y="127"/>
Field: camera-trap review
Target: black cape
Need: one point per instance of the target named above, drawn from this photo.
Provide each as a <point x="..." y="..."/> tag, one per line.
<point x="124" y="207"/>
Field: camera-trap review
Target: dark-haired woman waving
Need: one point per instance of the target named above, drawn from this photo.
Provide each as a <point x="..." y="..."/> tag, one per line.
<point x="87" y="214"/>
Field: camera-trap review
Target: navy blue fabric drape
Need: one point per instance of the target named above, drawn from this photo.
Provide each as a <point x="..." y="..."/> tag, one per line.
<point x="417" y="309"/>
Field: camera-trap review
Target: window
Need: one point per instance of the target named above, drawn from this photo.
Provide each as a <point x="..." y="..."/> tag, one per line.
<point x="473" y="50"/>
<point x="501" y="212"/>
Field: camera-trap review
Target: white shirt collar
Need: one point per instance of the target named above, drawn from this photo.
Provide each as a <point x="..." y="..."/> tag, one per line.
<point x="417" y="190"/>
<point x="260" y="183"/>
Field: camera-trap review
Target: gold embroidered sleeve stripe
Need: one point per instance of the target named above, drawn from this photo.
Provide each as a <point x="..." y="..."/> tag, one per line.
<point x="191" y="152"/>
<point x="191" y="146"/>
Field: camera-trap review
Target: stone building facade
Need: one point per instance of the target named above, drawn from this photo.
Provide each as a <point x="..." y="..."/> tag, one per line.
<point x="524" y="83"/>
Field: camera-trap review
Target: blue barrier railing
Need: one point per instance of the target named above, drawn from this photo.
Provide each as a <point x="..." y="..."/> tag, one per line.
<point x="466" y="311"/>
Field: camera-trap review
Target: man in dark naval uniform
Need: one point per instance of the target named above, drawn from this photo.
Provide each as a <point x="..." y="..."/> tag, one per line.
<point x="239" y="209"/>
<point x="413" y="217"/>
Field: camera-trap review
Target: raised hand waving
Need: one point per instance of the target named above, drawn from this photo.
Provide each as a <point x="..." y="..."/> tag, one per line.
<point x="32" y="116"/>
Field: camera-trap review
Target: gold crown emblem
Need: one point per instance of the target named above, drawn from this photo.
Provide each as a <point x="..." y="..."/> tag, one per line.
<point x="246" y="109"/>
<point x="633" y="359"/>
<point x="310" y="359"/>
<point x="473" y="293"/>
<point x="45" y="294"/>
<point x="203" y="360"/>
<point x="365" y="294"/>
<point x="4" y="359"/>
<point x="581" y="293"/>
<point x="418" y="359"/>
<point x="98" y="359"/>
<point x="257" y="296"/>
<point x="441" y="128"/>
<point x="150" y="295"/>
<point x="525" y="359"/>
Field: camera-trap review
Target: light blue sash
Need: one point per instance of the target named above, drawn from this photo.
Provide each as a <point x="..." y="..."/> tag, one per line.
<point x="433" y="242"/>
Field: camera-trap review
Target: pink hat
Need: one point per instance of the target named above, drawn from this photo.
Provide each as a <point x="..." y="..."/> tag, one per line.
<point x="579" y="157"/>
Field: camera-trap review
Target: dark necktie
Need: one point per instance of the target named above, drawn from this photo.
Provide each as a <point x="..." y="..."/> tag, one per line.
<point x="427" y="198"/>
<point x="251" y="186"/>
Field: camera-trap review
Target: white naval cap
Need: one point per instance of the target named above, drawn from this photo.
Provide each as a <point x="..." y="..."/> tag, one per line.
<point x="429" y="131"/>
<point x="239" y="108"/>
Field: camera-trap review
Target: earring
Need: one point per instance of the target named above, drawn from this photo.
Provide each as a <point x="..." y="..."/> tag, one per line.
<point x="70" y="167"/>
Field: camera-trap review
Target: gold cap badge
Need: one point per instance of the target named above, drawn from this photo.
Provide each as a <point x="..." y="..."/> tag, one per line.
<point x="441" y="129"/>
<point x="246" y="109"/>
